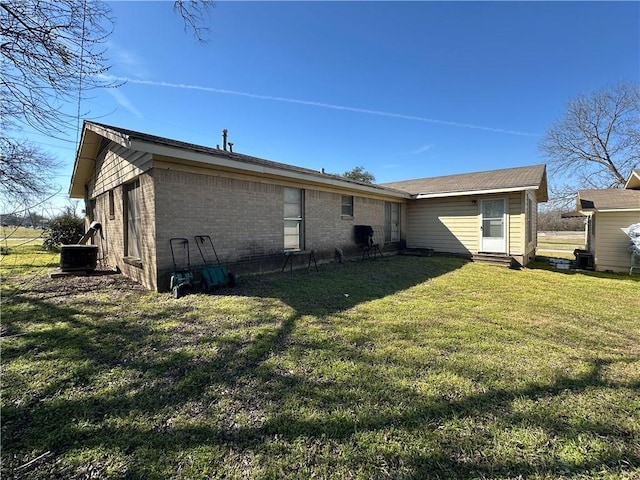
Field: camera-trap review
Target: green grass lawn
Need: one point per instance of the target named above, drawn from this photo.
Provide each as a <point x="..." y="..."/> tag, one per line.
<point x="403" y="367"/>
<point x="559" y="242"/>
<point x="21" y="232"/>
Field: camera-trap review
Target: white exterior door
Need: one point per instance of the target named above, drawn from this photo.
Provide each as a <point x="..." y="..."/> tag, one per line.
<point x="492" y="226"/>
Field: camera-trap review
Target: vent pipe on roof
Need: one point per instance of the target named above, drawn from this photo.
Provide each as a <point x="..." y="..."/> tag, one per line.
<point x="224" y="139"/>
<point x="231" y="147"/>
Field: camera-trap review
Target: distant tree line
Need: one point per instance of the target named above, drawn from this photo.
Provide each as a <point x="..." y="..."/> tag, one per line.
<point x="552" y="221"/>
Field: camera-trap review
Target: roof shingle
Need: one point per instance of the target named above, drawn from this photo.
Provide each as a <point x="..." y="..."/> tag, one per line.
<point x="492" y="180"/>
<point x="611" y="198"/>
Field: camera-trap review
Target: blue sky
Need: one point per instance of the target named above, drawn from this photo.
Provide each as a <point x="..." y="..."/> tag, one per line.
<point x="406" y="90"/>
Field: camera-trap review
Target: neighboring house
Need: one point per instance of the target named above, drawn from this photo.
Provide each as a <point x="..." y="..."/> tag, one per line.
<point x="608" y="213"/>
<point x="493" y="212"/>
<point x="145" y="190"/>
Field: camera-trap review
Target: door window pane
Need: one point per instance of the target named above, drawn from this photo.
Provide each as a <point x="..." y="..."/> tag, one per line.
<point x="492" y="228"/>
<point x="493" y="208"/>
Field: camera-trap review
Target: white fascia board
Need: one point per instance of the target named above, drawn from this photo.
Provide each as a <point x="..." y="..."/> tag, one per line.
<point x="221" y="161"/>
<point x="475" y="192"/>
<point x="633" y="178"/>
<point x="616" y="210"/>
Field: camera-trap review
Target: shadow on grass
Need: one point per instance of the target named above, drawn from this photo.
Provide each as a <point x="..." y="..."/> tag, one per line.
<point x="127" y="385"/>
<point x="338" y="287"/>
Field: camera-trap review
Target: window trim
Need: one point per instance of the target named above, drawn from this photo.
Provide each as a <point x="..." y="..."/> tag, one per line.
<point x="529" y="215"/>
<point x="388" y="230"/>
<point x="112" y="204"/>
<point x="299" y="220"/>
<point x="348" y="204"/>
<point x="129" y="187"/>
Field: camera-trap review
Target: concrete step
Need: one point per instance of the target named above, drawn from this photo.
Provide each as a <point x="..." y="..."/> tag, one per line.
<point x="500" y="260"/>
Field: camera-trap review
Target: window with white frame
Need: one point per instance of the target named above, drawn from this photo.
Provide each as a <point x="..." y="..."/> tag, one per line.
<point x="293" y="219"/>
<point x="347" y="206"/>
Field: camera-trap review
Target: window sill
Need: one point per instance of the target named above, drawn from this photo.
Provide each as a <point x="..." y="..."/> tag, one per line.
<point x="346" y="217"/>
<point x="136" y="262"/>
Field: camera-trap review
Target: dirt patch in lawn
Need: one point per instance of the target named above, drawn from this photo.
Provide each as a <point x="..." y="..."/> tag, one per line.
<point x="46" y="288"/>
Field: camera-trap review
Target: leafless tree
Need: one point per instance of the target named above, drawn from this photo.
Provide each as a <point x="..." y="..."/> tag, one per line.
<point x="25" y="170"/>
<point x="195" y="14"/>
<point x="596" y="143"/>
<point x="53" y="55"/>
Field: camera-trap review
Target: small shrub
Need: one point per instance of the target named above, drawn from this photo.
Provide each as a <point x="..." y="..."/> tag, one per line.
<point x="64" y="230"/>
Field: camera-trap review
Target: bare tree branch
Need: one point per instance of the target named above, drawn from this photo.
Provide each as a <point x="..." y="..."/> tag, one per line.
<point x="195" y="14"/>
<point x="596" y="143"/>
<point x="25" y="170"/>
<point x="52" y="55"/>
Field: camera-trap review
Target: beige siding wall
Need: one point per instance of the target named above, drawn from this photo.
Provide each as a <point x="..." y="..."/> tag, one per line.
<point x="111" y="241"/>
<point x="452" y="224"/>
<point x="531" y="243"/>
<point x="516" y="236"/>
<point x="611" y="242"/>
<point x="117" y="165"/>
<point x="444" y="224"/>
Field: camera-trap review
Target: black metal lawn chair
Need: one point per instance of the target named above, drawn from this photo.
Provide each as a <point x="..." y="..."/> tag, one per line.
<point x="364" y="239"/>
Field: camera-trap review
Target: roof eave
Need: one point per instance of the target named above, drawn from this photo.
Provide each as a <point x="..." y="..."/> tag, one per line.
<point x="633" y="182"/>
<point x="459" y="193"/>
<point x="227" y="162"/>
<point x="611" y="209"/>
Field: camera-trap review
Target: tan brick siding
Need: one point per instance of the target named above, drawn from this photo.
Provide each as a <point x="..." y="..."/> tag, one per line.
<point x="242" y="214"/>
<point x="327" y="229"/>
<point x="111" y="241"/>
<point x="245" y="219"/>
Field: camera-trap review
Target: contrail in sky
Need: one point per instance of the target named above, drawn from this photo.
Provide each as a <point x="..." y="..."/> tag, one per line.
<point x="319" y="104"/>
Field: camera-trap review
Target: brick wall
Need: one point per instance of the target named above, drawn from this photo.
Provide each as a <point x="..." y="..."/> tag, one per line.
<point x="111" y="240"/>
<point x="327" y="229"/>
<point x="245" y="220"/>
